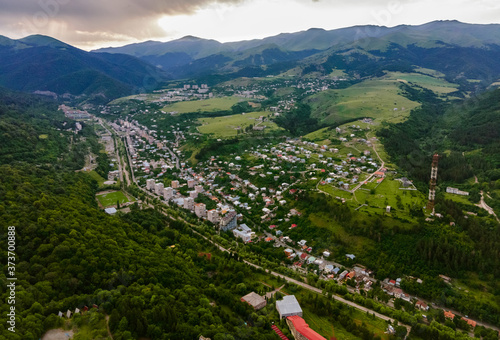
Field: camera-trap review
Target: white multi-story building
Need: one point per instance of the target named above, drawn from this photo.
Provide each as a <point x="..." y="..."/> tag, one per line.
<point x="159" y="189"/>
<point x="244" y="232"/>
<point x="150" y="184"/>
<point x="175" y="184"/>
<point x="191" y="183"/>
<point x="456" y="191"/>
<point x="200" y="209"/>
<point x="198" y="188"/>
<point x="168" y="193"/>
<point x="189" y="203"/>
<point x="213" y="216"/>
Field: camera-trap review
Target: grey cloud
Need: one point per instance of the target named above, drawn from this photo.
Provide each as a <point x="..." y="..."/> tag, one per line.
<point x="87" y="21"/>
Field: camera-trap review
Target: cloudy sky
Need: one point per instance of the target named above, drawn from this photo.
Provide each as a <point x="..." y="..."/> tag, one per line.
<point x="91" y="24"/>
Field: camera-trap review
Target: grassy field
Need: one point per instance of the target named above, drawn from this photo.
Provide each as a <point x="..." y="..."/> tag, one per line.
<point x="335" y="192"/>
<point x="376" y="325"/>
<point x="374" y="98"/>
<point x="338" y="73"/>
<point x="325" y="327"/>
<point x="111" y="198"/>
<point x="458" y="198"/>
<point x="387" y="193"/>
<point x="206" y="105"/>
<point x="321" y="135"/>
<point x="430" y="72"/>
<point x="225" y="127"/>
<point x="438" y="85"/>
<point x="97" y="177"/>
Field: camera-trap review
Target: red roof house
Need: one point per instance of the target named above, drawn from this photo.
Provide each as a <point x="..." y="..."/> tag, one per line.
<point x="300" y="329"/>
<point x="449" y="315"/>
<point x="472" y="323"/>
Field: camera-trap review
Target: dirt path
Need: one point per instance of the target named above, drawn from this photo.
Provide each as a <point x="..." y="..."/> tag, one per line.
<point x="58" y="334"/>
<point x="107" y="326"/>
<point x="482" y="204"/>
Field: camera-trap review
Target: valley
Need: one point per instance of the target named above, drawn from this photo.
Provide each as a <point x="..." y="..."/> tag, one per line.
<point x="185" y="190"/>
<point x="265" y="175"/>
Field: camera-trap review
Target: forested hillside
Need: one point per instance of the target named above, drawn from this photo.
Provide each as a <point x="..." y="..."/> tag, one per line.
<point x="46" y="64"/>
<point x="466" y="136"/>
<point x="141" y="269"/>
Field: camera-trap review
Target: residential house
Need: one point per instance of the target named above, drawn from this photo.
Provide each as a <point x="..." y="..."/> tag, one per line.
<point x="449" y="315"/>
<point x="422" y="305"/>
<point x="254" y="300"/>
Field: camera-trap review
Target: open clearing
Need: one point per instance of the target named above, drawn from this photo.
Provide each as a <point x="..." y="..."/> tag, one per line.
<point x="439" y="86"/>
<point x="375" y="98"/>
<point x="58" y="334"/>
<point x="97" y="177"/>
<point x="206" y="105"/>
<point x="111" y="198"/>
<point x="224" y="127"/>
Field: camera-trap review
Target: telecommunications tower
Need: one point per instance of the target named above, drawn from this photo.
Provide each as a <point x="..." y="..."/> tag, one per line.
<point x="432" y="183"/>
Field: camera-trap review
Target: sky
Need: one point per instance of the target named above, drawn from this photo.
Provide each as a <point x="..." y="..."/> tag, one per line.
<point x="91" y="24"/>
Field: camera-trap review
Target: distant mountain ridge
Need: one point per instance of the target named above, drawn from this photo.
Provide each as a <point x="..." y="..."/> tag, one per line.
<point x="460" y="51"/>
<point x="448" y="32"/>
<point x="192" y="56"/>
<point x="41" y="63"/>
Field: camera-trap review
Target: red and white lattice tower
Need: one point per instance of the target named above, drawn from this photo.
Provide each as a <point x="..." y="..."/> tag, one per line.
<point x="432" y="183"/>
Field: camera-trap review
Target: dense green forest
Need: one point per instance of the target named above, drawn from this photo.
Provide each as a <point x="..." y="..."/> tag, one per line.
<point x="70" y="254"/>
<point x="466" y="136"/>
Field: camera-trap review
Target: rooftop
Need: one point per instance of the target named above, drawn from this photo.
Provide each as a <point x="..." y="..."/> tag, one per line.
<point x="289" y="305"/>
<point x="303" y="328"/>
<point x="253" y="299"/>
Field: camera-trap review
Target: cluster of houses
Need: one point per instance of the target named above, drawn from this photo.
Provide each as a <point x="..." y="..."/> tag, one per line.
<point x="69" y="313"/>
<point x="184" y="93"/>
<point x="392" y="288"/>
<point x="150" y="151"/>
<point x="75" y="114"/>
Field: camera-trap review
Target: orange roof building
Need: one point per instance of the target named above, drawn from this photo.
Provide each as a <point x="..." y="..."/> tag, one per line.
<point x="472" y="323"/>
<point x="300" y="329"/>
<point x="449" y="315"/>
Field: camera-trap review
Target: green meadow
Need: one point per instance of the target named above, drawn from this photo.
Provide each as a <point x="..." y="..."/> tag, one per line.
<point x="375" y="98"/>
<point x="227" y="126"/>
<point x="111" y="198"/>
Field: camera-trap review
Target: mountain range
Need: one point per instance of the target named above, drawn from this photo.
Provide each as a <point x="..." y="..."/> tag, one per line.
<point x="452" y="47"/>
<point x="461" y="51"/>
<point x="41" y="63"/>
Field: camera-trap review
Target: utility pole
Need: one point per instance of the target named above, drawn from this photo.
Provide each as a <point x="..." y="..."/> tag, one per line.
<point x="432" y="183"/>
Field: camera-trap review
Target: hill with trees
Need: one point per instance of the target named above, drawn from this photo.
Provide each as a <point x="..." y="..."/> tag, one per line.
<point x="40" y="63"/>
